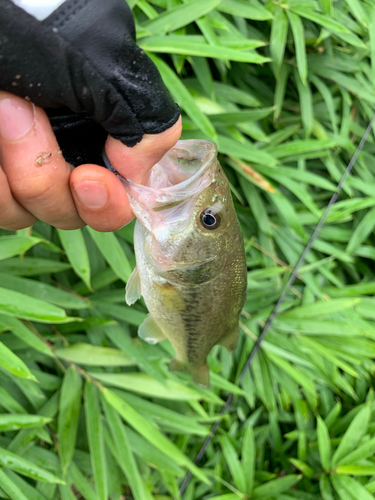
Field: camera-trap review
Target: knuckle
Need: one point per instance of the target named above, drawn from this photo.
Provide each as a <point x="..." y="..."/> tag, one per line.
<point x="40" y="180"/>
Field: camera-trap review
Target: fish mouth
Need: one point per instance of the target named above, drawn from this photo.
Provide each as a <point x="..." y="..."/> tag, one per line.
<point x="187" y="166"/>
<point x="186" y="173"/>
<point x="178" y="179"/>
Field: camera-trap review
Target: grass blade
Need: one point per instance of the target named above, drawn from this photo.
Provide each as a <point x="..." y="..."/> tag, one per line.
<point x="16" y="421"/>
<point x="244" y="9"/>
<point x="279" y="31"/>
<point x="183" y="97"/>
<point x="10" y="488"/>
<point x="70" y="406"/>
<point x="353" y="434"/>
<point x="21" y="331"/>
<point x="248" y="459"/>
<point x="12" y="363"/>
<point x="113" y="253"/>
<point x="95" y="439"/>
<point x="179" y="16"/>
<point x="305" y="99"/>
<point x="43" y="291"/>
<point x="26" y="468"/>
<point x="81" y="484"/>
<point x="26" y="307"/>
<point x="15" y="245"/>
<point x="275" y="487"/>
<point x="75" y="248"/>
<point x="299" y="44"/>
<point x="324" y="444"/>
<point x="362" y="231"/>
<point x="124" y="455"/>
<point x="150" y="432"/>
<point x="189" y="45"/>
<point x="87" y="354"/>
<point x="233" y="463"/>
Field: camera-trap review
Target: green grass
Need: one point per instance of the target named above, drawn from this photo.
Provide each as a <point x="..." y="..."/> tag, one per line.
<point x="286" y="90"/>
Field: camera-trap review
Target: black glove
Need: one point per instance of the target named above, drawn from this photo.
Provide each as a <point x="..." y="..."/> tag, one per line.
<point x="82" y="65"/>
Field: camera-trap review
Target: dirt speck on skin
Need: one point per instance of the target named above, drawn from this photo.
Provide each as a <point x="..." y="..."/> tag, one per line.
<point x="43" y="158"/>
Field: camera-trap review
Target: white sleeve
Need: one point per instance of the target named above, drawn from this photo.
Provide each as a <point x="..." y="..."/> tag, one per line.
<point x="40" y="9"/>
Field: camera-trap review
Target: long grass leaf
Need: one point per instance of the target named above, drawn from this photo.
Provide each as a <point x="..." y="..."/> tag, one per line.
<point x="184" y="98"/>
<point x="179" y="16"/>
<point x="75" y="248"/>
<point x="124" y="455"/>
<point x="70" y="406"/>
<point x="96" y="441"/>
<point x="150" y="432"/>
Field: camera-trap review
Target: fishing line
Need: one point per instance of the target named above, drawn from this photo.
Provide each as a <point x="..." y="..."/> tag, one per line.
<point x="290" y="282"/>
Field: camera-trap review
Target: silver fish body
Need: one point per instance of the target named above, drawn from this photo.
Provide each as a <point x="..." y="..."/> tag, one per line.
<point x="191" y="267"/>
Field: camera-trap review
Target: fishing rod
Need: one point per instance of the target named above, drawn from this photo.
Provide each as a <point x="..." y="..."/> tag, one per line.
<point x="275" y="310"/>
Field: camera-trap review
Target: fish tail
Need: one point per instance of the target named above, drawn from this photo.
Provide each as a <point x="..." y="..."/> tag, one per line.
<point x="200" y="374"/>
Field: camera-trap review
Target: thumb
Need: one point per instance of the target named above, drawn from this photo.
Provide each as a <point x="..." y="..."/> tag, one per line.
<point x="136" y="162"/>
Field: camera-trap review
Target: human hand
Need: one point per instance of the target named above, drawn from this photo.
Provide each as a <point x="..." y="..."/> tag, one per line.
<point x="81" y="65"/>
<point x="37" y="183"/>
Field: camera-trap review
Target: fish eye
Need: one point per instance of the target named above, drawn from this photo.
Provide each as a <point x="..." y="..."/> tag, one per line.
<point x="210" y="220"/>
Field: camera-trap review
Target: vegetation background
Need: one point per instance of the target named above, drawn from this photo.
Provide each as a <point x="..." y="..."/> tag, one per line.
<point x="286" y="90"/>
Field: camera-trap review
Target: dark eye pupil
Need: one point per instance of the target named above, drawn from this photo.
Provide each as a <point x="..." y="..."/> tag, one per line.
<point x="209" y="219"/>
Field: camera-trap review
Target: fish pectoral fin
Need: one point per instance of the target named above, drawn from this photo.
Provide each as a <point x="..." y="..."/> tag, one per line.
<point x="133" y="288"/>
<point x="150" y="331"/>
<point x="200" y="374"/>
<point x="230" y="340"/>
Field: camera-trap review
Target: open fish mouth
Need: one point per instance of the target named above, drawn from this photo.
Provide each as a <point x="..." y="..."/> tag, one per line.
<point x="182" y="174"/>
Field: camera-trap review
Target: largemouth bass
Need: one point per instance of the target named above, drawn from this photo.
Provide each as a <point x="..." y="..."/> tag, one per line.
<point x="191" y="267"/>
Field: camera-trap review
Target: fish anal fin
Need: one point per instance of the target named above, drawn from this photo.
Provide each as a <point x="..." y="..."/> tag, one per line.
<point x="200" y="374"/>
<point x="230" y="340"/>
<point x="150" y="331"/>
<point x="177" y="366"/>
<point x="133" y="288"/>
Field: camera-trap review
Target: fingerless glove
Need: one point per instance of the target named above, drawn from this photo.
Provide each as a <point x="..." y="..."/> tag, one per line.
<point x="83" y="66"/>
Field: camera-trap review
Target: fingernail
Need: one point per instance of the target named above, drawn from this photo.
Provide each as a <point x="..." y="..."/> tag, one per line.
<point x="92" y="194"/>
<point x="16" y="118"/>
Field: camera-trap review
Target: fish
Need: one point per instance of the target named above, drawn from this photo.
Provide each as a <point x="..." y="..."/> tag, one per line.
<point x="190" y="257"/>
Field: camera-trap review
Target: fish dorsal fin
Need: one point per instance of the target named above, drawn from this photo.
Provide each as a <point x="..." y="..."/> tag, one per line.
<point x="133" y="288"/>
<point x="150" y="331"/>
